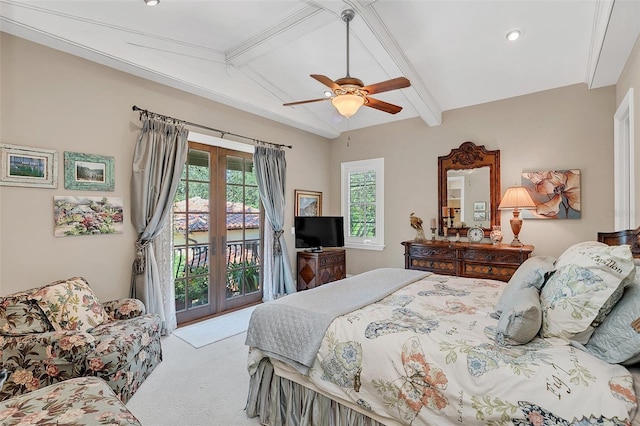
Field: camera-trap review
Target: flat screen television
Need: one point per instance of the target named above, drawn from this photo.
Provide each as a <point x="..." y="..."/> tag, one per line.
<point x="315" y="232"/>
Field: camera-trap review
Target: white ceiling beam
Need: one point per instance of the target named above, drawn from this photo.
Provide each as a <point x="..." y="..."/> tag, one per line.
<point x="419" y="96"/>
<point x="602" y="13"/>
<point x="291" y="28"/>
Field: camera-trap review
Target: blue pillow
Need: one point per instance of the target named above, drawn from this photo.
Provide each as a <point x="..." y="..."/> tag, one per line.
<point x="530" y="274"/>
<point x="520" y="322"/>
<point x="617" y="339"/>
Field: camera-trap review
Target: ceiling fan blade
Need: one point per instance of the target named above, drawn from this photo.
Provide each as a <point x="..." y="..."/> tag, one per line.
<point x="305" y="102"/>
<point x="326" y="81"/>
<point x="382" y="106"/>
<point x="384" y="86"/>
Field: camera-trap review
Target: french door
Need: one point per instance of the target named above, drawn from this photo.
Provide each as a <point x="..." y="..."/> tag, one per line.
<point x="217" y="233"/>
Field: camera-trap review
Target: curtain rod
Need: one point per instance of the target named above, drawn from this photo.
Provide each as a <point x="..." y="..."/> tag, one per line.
<point x="222" y="132"/>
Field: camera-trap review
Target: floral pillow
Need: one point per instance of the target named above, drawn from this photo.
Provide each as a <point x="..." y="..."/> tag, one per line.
<point x="70" y="305"/>
<point x="589" y="280"/>
<point x="19" y="316"/>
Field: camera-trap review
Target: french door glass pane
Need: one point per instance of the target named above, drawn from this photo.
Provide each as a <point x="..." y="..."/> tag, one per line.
<point x="191" y="256"/>
<point x="243" y="228"/>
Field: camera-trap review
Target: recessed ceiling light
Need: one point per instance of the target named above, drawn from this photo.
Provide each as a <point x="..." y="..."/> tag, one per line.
<point x="151" y="2"/>
<point x="328" y="93"/>
<point x="513" y="35"/>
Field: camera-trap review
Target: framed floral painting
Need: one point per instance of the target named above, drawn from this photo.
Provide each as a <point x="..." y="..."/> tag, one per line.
<point x="556" y="194"/>
<point x="87" y="215"/>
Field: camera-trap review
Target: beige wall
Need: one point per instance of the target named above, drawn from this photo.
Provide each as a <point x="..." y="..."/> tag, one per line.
<point x="569" y="127"/>
<point x="630" y="78"/>
<point x="54" y="100"/>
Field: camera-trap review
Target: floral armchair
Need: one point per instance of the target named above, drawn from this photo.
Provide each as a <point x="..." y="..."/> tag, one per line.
<point x="61" y="331"/>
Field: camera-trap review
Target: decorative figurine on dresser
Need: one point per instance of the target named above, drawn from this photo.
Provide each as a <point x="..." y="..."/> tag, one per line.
<point x="416" y="223"/>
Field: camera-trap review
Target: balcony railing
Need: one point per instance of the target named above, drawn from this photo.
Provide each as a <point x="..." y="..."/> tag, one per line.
<point x="197" y="256"/>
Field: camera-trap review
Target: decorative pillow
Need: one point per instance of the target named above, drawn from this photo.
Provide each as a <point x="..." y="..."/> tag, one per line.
<point x="19" y="316"/>
<point x="530" y="274"/>
<point x="587" y="283"/>
<point x="617" y="339"/>
<point x="520" y="322"/>
<point x="70" y="305"/>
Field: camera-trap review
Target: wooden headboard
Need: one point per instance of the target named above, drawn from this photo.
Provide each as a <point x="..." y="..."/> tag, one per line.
<point x="629" y="236"/>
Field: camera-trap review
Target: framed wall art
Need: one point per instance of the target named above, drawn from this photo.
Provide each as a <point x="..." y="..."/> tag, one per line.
<point x="27" y="166"/>
<point x="479" y="206"/>
<point x="88" y="171"/>
<point x="308" y="203"/>
<point x="479" y="216"/>
<point x="87" y="215"/>
<point x="556" y="194"/>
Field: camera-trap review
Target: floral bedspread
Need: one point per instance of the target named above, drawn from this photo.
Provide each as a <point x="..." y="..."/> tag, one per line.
<point x="426" y="355"/>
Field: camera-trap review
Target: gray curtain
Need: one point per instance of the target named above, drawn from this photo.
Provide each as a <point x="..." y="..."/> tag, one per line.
<point x="158" y="161"/>
<point x="271" y="165"/>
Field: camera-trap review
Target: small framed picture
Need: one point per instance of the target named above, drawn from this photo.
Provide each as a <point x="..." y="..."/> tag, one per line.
<point x="89" y="172"/>
<point x="26" y="166"/>
<point x="479" y="216"/>
<point x="307" y="203"/>
<point x="479" y="206"/>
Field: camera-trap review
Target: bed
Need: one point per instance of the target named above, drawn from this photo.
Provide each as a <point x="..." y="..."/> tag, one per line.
<point x="557" y="345"/>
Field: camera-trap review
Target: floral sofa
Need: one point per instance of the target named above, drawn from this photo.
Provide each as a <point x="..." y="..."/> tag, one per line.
<point x="61" y="331"/>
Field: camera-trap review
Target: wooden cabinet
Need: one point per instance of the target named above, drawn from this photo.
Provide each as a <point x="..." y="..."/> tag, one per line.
<point x="315" y="269"/>
<point x="497" y="262"/>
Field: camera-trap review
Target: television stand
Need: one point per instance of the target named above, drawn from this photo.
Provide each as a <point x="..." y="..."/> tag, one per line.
<point x="317" y="268"/>
<point x="314" y="250"/>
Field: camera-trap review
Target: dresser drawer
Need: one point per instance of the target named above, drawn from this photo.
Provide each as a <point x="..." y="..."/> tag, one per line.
<point x="489" y="271"/>
<point x="432" y="252"/>
<point x="493" y="256"/>
<point x="331" y="259"/>
<point x="438" y="266"/>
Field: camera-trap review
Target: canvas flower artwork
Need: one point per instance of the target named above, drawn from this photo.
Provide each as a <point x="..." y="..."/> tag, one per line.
<point x="556" y="194"/>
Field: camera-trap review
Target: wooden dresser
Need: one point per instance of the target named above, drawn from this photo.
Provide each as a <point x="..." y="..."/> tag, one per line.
<point x="315" y="269"/>
<point x="465" y="259"/>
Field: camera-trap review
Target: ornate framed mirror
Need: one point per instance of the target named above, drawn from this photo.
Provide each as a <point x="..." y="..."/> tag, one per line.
<point x="468" y="189"/>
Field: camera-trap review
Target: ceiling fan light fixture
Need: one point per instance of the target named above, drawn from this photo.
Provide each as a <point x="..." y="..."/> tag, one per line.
<point x="348" y="104"/>
<point x="151" y="2"/>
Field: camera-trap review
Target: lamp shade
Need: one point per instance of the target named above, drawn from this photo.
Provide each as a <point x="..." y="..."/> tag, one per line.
<point x="347" y="105"/>
<point x="516" y="197"/>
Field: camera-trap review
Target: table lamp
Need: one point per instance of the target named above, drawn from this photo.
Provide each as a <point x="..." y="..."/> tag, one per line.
<point x="516" y="198"/>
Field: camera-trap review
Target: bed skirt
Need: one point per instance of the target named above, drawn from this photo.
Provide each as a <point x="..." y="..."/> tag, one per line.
<point x="279" y="401"/>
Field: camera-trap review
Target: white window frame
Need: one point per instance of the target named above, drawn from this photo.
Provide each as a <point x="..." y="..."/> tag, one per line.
<point x="624" y="165"/>
<point x="377" y="165"/>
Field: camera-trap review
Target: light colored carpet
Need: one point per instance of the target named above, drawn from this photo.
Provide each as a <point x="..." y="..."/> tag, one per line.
<point x="215" y="329"/>
<point x="196" y="387"/>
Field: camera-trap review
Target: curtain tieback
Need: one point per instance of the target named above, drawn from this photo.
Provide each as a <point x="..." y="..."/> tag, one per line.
<point x="139" y="263"/>
<point x="277" y="248"/>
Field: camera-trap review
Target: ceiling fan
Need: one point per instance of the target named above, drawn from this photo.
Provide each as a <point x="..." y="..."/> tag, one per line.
<point x="350" y="93"/>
